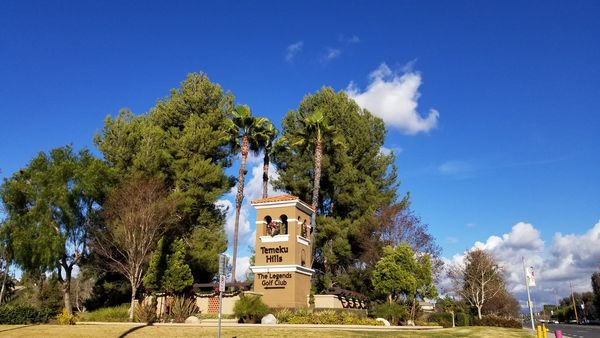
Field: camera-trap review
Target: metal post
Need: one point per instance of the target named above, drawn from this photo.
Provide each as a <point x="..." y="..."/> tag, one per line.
<point x="220" y="308"/>
<point x="222" y="268"/>
<point x="528" y="296"/>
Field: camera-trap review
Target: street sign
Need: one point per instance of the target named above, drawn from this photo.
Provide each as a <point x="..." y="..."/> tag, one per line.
<point x="221" y="283"/>
<point x="530" y="276"/>
<point x="223" y="260"/>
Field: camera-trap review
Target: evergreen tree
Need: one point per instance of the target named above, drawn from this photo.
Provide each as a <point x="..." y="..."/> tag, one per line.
<point x="356" y="178"/>
<point x="178" y="275"/>
<point x="184" y="142"/>
<point x="156" y="269"/>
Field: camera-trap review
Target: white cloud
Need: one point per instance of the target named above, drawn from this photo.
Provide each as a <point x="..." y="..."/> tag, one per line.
<point x="292" y="50"/>
<point x="570" y="258"/>
<point x="242" y="267"/>
<point x="393" y="97"/>
<point x="331" y="53"/>
<point x="252" y="191"/>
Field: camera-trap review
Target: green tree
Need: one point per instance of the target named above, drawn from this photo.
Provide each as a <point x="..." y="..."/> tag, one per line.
<point x="51" y="205"/>
<point x="156" y="268"/>
<point x="204" y="243"/>
<point x="356" y="178"/>
<point x="246" y="135"/>
<point x="394" y="274"/>
<point x="183" y="141"/>
<point x="596" y="290"/>
<point x="402" y="277"/>
<point x="178" y="275"/>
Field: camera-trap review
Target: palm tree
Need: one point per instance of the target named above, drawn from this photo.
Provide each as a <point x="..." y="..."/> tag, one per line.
<point x="246" y="135"/>
<point x="268" y="135"/>
<point x="315" y="129"/>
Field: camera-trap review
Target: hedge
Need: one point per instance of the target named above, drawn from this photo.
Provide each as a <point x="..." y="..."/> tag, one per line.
<point x="497" y="321"/>
<point x="23" y="314"/>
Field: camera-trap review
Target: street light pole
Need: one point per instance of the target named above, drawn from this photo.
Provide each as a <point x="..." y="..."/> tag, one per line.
<point x="528" y="296"/>
<point x="574" y="306"/>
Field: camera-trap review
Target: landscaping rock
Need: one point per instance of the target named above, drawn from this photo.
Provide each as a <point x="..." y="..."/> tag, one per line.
<point x="384" y="321"/>
<point x="192" y="320"/>
<point x="410" y="323"/>
<point x="268" y="319"/>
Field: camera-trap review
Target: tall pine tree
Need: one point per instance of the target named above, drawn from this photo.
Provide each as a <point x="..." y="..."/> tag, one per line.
<point x="184" y="142"/>
<point x="357" y="178"/>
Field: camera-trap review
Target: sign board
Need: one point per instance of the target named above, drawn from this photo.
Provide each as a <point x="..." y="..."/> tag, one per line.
<point x="223" y="260"/>
<point x="221" y="283"/>
<point x="530" y="276"/>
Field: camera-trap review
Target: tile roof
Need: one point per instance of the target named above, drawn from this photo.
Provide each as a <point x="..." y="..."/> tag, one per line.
<point x="280" y="198"/>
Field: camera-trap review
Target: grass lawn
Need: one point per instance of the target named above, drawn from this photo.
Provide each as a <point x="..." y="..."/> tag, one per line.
<point x="57" y="331"/>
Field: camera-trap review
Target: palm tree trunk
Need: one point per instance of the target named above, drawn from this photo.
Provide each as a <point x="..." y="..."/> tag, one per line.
<point x="266" y="174"/>
<point x="238" y="202"/>
<point x="317" y="179"/>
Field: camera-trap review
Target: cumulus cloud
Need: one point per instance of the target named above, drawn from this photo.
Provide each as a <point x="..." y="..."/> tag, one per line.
<point x="252" y="191"/>
<point x="242" y="267"/>
<point x="393" y="97"/>
<point x="569" y="258"/>
<point x="292" y="50"/>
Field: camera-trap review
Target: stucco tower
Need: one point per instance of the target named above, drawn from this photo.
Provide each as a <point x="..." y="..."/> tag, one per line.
<point x="282" y="270"/>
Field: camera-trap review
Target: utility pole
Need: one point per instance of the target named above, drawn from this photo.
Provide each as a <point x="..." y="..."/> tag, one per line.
<point x="574" y="306"/>
<point x="528" y="296"/>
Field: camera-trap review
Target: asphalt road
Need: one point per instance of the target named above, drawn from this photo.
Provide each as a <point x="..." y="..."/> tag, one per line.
<point x="576" y="331"/>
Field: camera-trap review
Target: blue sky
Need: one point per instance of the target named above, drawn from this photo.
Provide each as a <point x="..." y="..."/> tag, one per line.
<point x="515" y="87"/>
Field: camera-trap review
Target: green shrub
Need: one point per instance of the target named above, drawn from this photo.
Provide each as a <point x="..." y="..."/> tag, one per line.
<point x="214" y="316"/>
<point x="250" y="309"/>
<point x="351" y="318"/>
<point x="107" y="314"/>
<point x="441" y="318"/>
<point x="462" y="319"/>
<point x="299" y="319"/>
<point x="329" y="316"/>
<point x="283" y="315"/>
<point x="394" y="313"/>
<point x="23" y="314"/>
<point x="326" y="317"/>
<point x="64" y="318"/>
<point x="182" y="308"/>
<point x="497" y="321"/>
